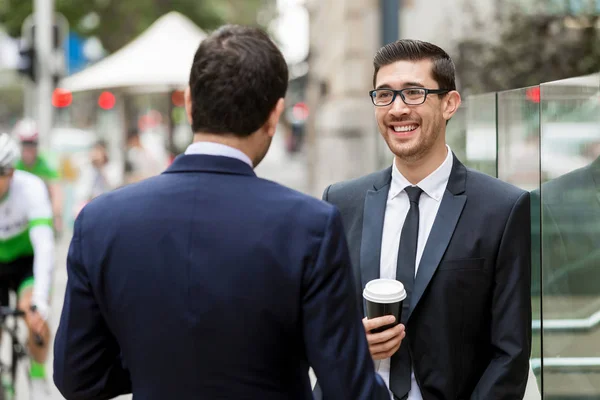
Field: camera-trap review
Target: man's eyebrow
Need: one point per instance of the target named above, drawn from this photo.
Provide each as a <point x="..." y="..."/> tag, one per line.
<point x="404" y="85"/>
<point x="413" y="84"/>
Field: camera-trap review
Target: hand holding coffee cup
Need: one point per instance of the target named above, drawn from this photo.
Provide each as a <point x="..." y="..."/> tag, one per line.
<point x="384" y="298"/>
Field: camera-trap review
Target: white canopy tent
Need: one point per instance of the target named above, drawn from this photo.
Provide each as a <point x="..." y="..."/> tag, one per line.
<point x="157" y="60"/>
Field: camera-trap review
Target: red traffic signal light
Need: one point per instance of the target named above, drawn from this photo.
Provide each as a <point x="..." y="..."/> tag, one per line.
<point x="106" y="100"/>
<point x="533" y="94"/>
<point x="61" y="98"/>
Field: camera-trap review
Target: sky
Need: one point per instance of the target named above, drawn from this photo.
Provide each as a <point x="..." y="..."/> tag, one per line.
<point x="291" y="29"/>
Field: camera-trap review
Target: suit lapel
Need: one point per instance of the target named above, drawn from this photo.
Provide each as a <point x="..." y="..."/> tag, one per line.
<point x="372" y="229"/>
<point x="444" y="224"/>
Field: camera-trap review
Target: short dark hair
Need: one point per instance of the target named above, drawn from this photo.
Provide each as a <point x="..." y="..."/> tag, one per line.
<point x="443" y="69"/>
<point x="237" y="77"/>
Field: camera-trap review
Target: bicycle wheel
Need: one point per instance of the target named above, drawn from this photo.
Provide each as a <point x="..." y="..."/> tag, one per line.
<point x="4" y="389"/>
<point x="14" y="365"/>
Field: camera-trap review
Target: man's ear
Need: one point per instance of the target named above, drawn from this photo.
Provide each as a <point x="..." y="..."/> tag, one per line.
<point x="273" y="120"/>
<point x="187" y="96"/>
<point x="451" y="103"/>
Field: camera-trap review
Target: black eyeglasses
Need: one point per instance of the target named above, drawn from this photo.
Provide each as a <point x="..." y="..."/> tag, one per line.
<point x="410" y="96"/>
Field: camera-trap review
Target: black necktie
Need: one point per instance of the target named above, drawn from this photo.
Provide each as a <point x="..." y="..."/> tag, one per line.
<point x="400" y="368"/>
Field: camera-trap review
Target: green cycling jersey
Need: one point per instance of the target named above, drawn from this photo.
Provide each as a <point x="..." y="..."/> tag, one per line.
<point x="41" y="168"/>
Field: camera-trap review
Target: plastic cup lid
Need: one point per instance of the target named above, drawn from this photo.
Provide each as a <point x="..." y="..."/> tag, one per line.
<point x="384" y="291"/>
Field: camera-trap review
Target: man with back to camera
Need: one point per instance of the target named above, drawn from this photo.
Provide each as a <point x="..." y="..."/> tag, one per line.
<point x="459" y="240"/>
<point x="35" y="162"/>
<point x="207" y="282"/>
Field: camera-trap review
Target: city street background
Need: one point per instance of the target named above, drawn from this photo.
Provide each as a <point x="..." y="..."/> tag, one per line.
<point x="528" y="73"/>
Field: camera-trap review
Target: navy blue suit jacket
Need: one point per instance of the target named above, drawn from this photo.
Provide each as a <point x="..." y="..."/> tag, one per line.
<point x="207" y="282"/>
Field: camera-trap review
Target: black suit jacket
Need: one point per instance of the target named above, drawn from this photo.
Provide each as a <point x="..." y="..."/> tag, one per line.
<point x="469" y="323"/>
<point x="207" y="282"/>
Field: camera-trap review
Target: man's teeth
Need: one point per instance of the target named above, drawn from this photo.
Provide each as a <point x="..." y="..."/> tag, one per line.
<point x="405" y="128"/>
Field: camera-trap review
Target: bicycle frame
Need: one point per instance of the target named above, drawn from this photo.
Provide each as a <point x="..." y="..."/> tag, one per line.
<point x="18" y="351"/>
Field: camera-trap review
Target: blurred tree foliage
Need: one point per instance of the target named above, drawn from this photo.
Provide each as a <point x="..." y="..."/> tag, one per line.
<point x="116" y="22"/>
<point x="530" y="48"/>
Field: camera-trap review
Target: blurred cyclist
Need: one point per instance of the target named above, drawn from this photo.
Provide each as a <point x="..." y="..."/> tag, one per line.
<point x="34" y="162"/>
<point x="26" y="253"/>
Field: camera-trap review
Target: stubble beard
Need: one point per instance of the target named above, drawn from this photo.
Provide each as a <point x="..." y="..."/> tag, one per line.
<point x="413" y="152"/>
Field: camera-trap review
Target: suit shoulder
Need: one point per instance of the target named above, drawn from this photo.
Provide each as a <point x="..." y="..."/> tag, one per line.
<point x="287" y="210"/>
<point x="125" y="195"/>
<point x="357" y="186"/>
<point x="569" y="181"/>
<point x="298" y="200"/>
<point x="576" y="187"/>
<point x="360" y="183"/>
<point x="493" y="187"/>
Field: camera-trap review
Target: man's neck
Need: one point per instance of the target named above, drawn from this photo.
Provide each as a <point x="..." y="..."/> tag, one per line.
<point x="417" y="170"/>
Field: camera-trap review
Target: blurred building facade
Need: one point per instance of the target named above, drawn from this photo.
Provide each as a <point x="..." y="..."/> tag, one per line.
<point x="341" y="134"/>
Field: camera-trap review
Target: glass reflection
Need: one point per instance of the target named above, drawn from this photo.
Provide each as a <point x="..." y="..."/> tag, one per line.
<point x="571" y="237"/>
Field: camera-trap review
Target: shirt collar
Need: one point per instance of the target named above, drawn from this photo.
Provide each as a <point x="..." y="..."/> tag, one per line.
<point x="218" y="149"/>
<point x="433" y="185"/>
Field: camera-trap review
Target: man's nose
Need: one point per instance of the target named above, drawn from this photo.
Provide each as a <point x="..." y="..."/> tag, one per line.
<point x="399" y="107"/>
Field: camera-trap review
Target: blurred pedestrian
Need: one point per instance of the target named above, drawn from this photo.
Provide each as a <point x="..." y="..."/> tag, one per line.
<point x="35" y="162"/>
<point x="98" y="175"/>
<point x="141" y="161"/>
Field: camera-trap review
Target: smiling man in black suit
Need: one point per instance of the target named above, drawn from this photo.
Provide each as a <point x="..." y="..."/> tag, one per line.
<point x="459" y="240"/>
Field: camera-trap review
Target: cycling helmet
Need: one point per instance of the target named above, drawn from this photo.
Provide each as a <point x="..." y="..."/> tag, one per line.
<point x="9" y="151"/>
<point x="27" y="131"/>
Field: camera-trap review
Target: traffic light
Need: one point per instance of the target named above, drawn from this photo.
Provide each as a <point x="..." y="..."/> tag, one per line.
<point x="62" y="98"/>
<point x="27" y="61"/>
<point x="27" y="51"/>
<point x="106" y="100"/>
<point x="533" y="94"/>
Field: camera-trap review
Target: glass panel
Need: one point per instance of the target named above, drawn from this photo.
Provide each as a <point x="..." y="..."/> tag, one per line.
<point x="518" y="164"/>
<point x="471" y="133"/>
<point x="518" y="137"/>
<point x="481" y="140"/>
<point x="456" y="132"/>
<point x="571" y="238"/>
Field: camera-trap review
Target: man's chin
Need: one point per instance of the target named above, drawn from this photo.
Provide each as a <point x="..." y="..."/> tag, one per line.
<point x="409" y="157"/>
<point x="408" y="153"/>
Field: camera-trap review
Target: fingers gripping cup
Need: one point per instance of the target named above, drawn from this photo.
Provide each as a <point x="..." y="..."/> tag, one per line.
<point x="384" y="297"/>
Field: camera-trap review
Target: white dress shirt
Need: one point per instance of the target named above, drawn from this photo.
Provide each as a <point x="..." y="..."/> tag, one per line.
<point x="396" y="209"/>
<point x="218" y="149"/>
